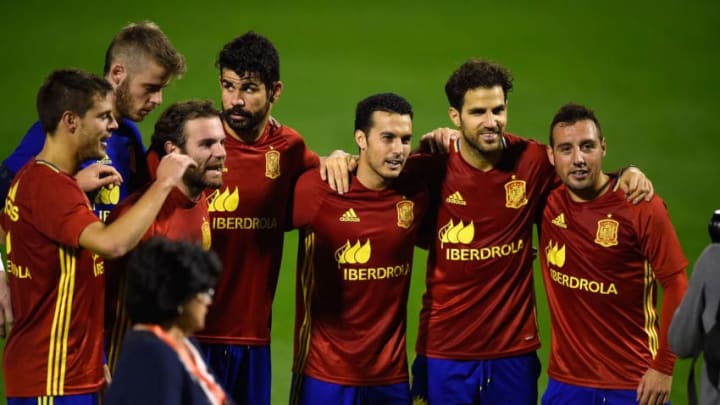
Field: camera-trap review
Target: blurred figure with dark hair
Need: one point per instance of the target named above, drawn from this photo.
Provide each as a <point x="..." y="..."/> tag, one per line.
<point x="169" y="288"/>
<point x="698" y="312"/>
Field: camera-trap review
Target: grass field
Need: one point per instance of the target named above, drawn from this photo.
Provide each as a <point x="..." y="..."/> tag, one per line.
<point x="649" y="69"/>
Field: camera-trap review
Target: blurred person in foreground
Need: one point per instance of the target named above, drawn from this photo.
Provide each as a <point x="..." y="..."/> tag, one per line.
<point x="169" y="288"/>
<point x="698" y="313"/>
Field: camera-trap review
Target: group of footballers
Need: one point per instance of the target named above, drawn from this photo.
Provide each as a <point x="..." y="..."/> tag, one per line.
<point x="226" y="179"/>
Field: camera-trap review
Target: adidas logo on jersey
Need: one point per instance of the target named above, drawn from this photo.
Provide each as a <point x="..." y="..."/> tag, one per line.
<point x="560" y="221"/>
<point x="349" y="216"/>
<point x="456" y="198"/>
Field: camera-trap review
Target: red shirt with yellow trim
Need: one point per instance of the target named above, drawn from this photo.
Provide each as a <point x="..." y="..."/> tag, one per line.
<point x="55" y="345"/>
<point x="353" y="279"/>
<point x="479" y="301"/>
<point x="600" y="263"/>
<point x="248" y="216"/>
<point x="180" y="218"/>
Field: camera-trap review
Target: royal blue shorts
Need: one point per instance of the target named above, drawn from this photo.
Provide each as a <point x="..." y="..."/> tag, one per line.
<point x="243" y="371"/>
<point x="310" y="391"/>
<point x="558" y="393"/>
<point x="81" y="399"/>
<point x="509" y="380"/>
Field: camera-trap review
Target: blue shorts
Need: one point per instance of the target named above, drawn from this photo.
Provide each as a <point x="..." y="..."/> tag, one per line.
<point x="243" y="371"/>
<point x="81" y="399"/>
<point x="509" y="380"/>
<point x="558" y="393"/>
<point x="310" y="391"/>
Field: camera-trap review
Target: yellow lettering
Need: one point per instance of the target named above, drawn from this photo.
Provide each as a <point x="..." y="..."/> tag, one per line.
<point x="11" y="210"/>
<point x="577" y="283"/>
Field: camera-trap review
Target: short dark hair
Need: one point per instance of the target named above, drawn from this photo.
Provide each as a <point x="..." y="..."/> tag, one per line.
<point x="68" y="90"/>
<point x="164" y="274"/>
<point x="571" y="113"/>
<point x="473" y="74"/>
<point x="145" y="39"/>
<point x="253" y="54"/>
<point x="171" y="124"/>
<point x="388" y="102"/>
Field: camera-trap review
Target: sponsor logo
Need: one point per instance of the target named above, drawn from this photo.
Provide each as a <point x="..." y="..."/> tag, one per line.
<point x="349" y="216"/>
<point x="353" y="254"/>
<point x="456" y="198"/>
<point x="109" y="194"/>
<point x="272" y="164"/>
<point x="607" y="232"/>
<point x="224" y="201"/>
<point x="244" y="223"/>
<point x="10" y="209"/>
<point x="457" y="233"/>
<point x="404" y="213"/>
<point x="560" y="221"/>
<point x="490" y="252"/>
<point x="206" y="237"/>
<point x="98" y="265"/>
<point x="555" y="255"/>
<point x="515" y="193"/>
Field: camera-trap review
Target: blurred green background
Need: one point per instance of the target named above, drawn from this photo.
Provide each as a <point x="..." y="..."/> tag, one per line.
<point x="648" y="68"/>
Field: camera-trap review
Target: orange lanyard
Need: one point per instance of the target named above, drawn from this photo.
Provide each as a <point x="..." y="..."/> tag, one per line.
<point x="188" y="360"/>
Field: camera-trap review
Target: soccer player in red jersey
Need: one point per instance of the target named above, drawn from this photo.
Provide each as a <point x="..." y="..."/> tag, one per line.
<point x="478" y="333"/>
<point x="191" y="128"/>
<point x="354" y="267"/>
<point x="248" y="216"/>
<point x="601" y="260"/>
<point x="55" y="246"/>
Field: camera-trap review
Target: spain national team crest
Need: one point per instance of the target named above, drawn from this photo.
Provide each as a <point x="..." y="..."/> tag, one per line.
<point x="206" y="238"/>
<point x="272" y="164"/>
<point x="607" y="232"/>
<point x="405" y="213"/>
<point x="515" y="193"/>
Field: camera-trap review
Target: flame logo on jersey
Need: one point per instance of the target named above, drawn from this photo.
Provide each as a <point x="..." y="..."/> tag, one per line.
<point x="272" y="164"/>
<point x="206" y="236"/>
<point x="405" y="213"/>
<point x="223" y="202"/>
<point x="607" y="232"/>
<point x="555" y="255"/>
<point x="515" y="196"/>
<point x="353" y="254"/>
<point x="109" y="194"/>
<point x="457" y="233"/>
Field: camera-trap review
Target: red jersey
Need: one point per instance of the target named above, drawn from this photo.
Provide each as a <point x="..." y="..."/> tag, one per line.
<point x="55" y="345"/>
<point x="479" y="302"/>
<point x="600" y="261"/>
<point x="179" y="219"/>
<point x="353" y="280"/>
<point x="248" y="217"/>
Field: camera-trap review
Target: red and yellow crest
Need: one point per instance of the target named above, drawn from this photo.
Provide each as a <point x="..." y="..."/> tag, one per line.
<point x="607" y="232"/>
<point x="515" y="193"/>
<point x="405" y="213"/>
<point x="272" y="164"/>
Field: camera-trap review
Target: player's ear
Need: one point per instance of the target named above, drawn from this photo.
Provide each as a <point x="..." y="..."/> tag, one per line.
<point x="118" y="73"/>
<point x="603" y="146"/>
<point x="170" y="147"/>
<point x="454" y="116"/>
<point x="550" y="155"/>
<point x="360" y="139"/>
<point x="69" y="120"/>
<point x="276" y="91"/>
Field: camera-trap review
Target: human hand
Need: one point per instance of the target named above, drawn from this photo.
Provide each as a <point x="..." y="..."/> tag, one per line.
<point x="654" y="388"/>
<point x="438" y="140"/>
<point x="636" y="185"/>
<point x="97" y="175"/>
<point x="6" y="314"/>
<point x="172" y="167"/>
<point x="336" y="169"/>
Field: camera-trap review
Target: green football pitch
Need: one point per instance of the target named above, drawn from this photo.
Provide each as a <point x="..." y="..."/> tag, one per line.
<point x="648" y="68"/>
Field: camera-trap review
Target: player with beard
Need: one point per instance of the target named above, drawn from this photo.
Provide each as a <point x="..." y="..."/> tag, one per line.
<point x="139" y="63"/>
<point x="248" y="217"/>
<point x="478" y="336"/>
<point x="191" y="128"/>
<point x="56" y="245"/>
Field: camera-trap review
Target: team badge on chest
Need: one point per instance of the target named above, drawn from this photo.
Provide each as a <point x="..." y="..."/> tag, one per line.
<point x="515" y="196"/>
<point x="607" y="232"/>
<point x="405" y="213"/>
<point x="272" y="164"/>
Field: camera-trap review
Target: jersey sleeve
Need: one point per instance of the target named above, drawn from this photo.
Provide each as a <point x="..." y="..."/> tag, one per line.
<point x="67" y="215"/>
<point x="661" y="246"/>
<point x="307" y="198"/>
